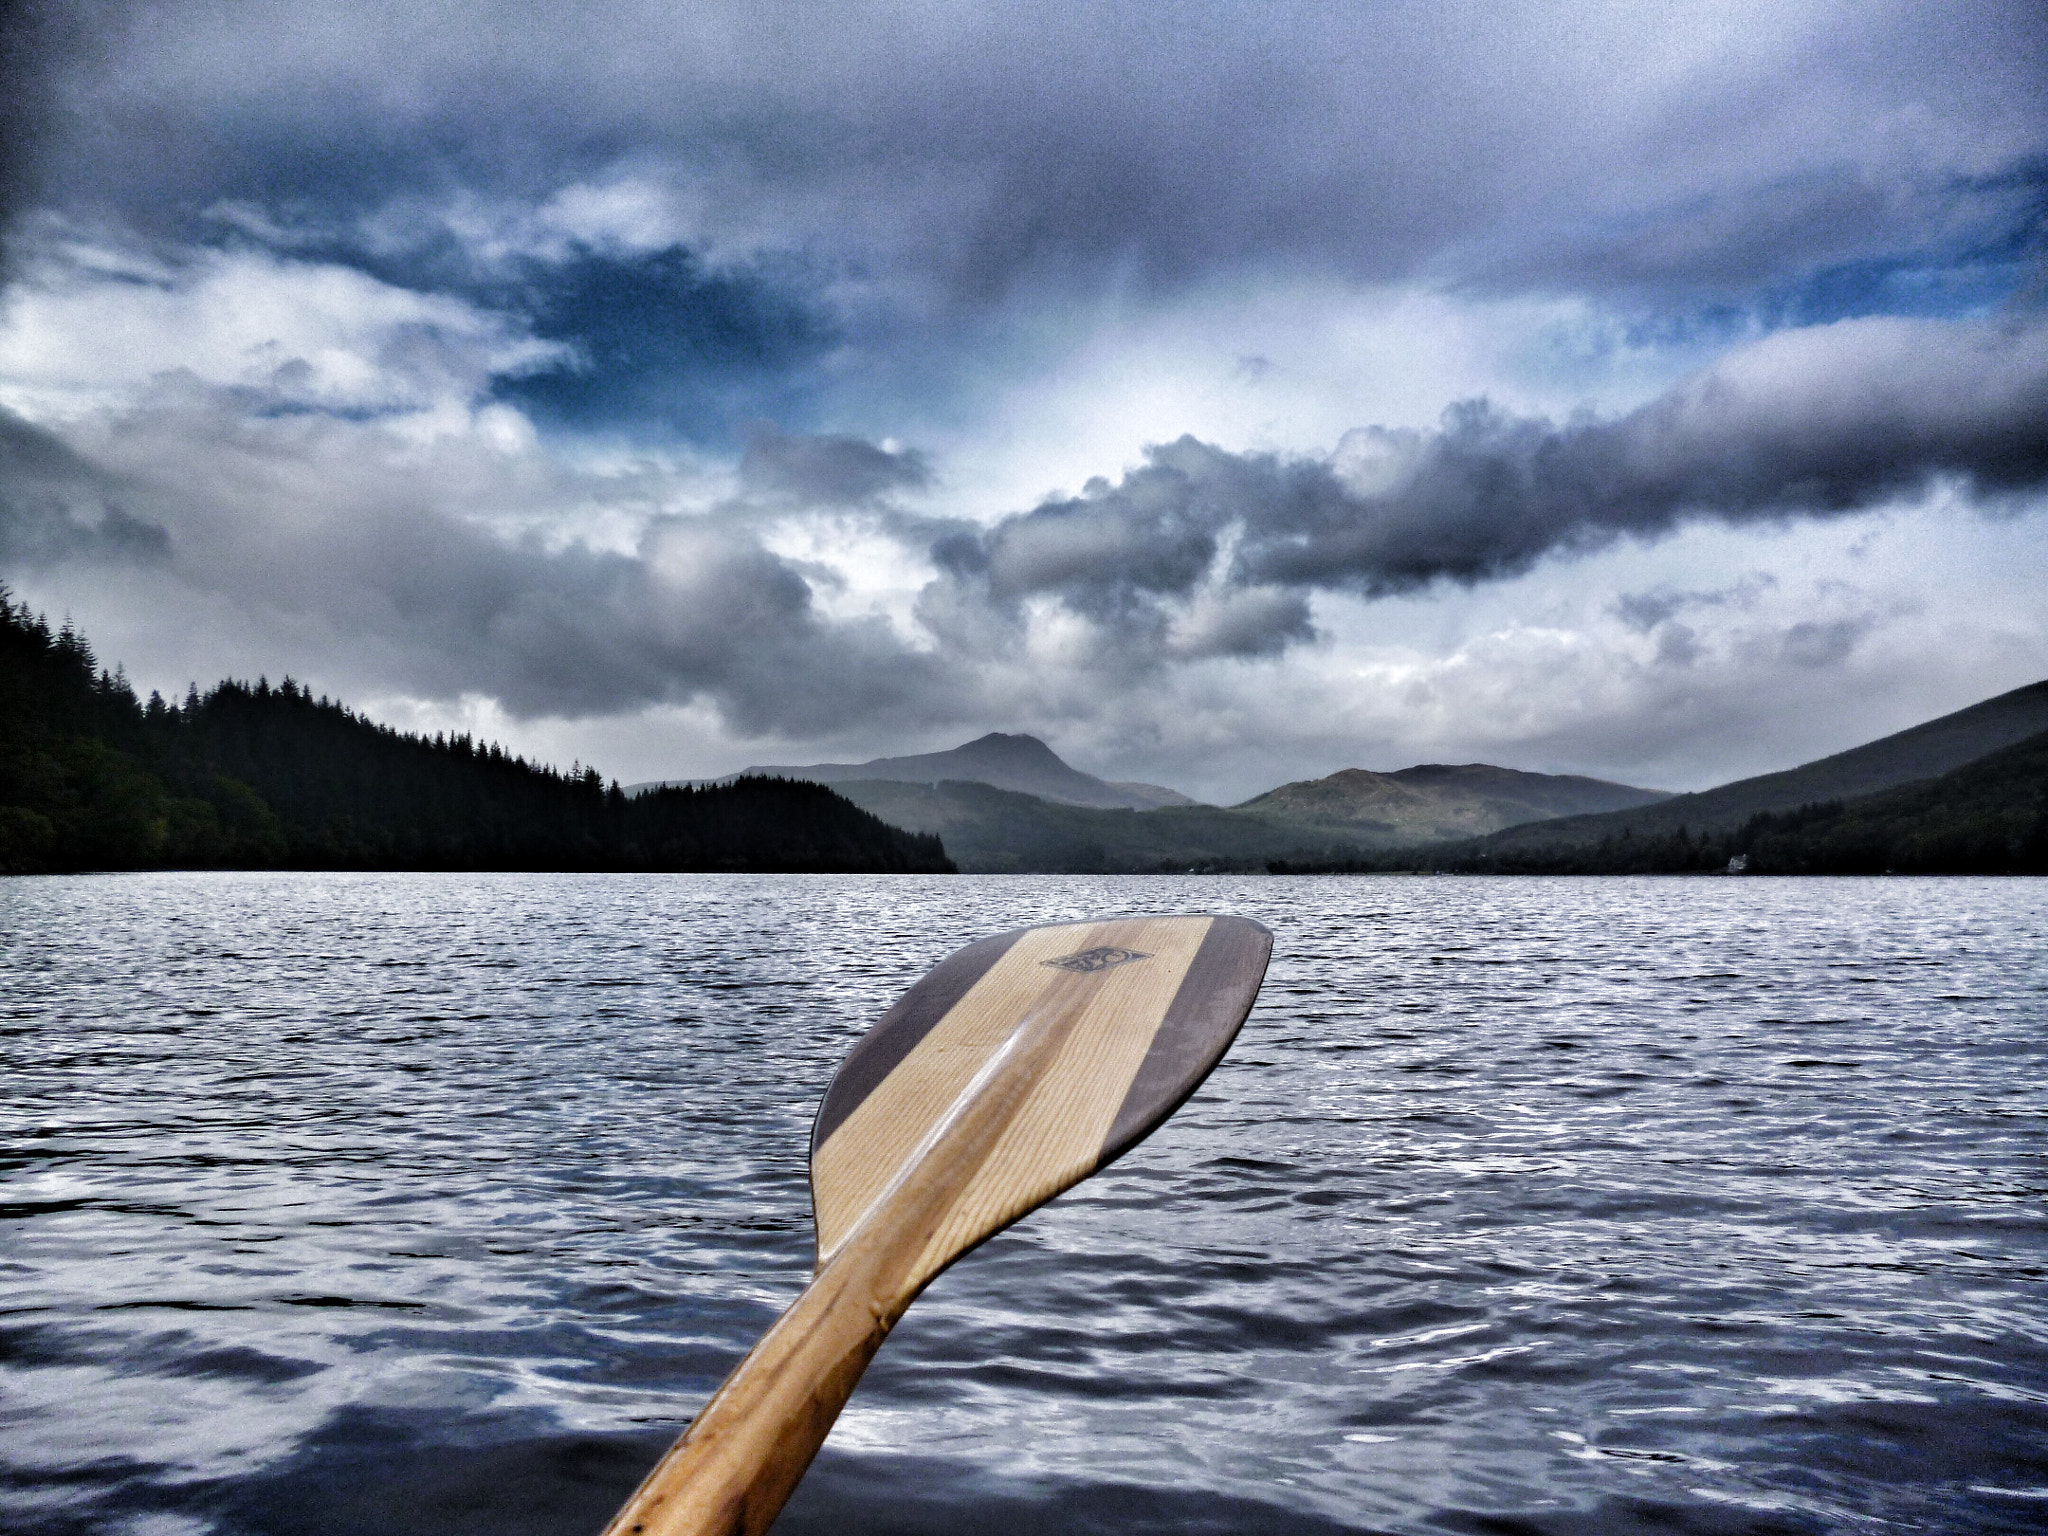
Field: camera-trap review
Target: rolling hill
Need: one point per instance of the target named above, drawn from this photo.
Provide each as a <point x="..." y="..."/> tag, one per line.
<point x="1437" y="800"/>
<point x="1988" y="817"/>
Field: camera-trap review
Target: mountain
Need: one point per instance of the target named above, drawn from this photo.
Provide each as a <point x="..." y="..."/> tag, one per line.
<point x="998" y="831"/>
<point x="1023" y="764"/>
<point x="1988" y="817"/>
<point x="1161" y="797"/>
<point x="1923" y="751"/>
<point x="991" y="830"/>
<point x="1439" y="800"/>
<point x="1008" y="803"/>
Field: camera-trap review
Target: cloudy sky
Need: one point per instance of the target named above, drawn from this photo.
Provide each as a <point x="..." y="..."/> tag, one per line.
<point x="1227" y="393"/>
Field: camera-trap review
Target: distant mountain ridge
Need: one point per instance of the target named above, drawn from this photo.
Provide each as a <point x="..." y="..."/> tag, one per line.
<point x="1019" y="763"/>
<point x="990" y="830"/>
<point x="1987" y="817"/>
<point x="1008" y="803"/>
<point x="1086" y="824"/>
<point x="999" y="831"/>
<point x="1925" y="751"/>
<point x="1440" y="800"/>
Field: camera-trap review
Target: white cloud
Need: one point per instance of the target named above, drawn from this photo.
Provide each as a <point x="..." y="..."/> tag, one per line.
<point x="88" y="328"/>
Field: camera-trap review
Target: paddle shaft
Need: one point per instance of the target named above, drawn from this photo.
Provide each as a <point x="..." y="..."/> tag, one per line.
<point x="731" y="1472"/>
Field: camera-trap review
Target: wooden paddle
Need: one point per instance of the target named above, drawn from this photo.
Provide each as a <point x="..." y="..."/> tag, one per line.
<point x="1014" y="1070"/>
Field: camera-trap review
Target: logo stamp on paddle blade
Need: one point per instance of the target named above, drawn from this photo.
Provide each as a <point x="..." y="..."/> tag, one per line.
<point x="1100" y="958"/>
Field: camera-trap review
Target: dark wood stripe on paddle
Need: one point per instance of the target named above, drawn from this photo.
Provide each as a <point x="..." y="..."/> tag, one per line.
<point x="1206" y="1014"/>
<point x="903" y="1027"/>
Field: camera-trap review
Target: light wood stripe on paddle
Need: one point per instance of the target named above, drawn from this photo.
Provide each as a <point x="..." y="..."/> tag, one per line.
<point x="1056" y="1138"/>
<point x="1101" y="1026"/>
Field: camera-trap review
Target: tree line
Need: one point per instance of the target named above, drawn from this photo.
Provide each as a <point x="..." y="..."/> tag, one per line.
<point x="262" y="776"/>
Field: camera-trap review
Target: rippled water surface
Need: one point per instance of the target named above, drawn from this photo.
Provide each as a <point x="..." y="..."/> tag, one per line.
<point x="395" y="1204"/>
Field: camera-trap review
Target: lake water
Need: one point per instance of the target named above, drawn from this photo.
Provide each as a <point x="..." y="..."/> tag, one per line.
<point x="423" y="1204"/>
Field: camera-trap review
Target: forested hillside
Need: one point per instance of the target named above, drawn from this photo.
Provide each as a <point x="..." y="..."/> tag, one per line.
<point x="1989" y="817"/>
<point x="259" y="776"/>
<point x="1911" y="756"/>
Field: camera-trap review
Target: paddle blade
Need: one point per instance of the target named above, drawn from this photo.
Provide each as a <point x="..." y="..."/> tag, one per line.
<point x="1025" y="1062"/>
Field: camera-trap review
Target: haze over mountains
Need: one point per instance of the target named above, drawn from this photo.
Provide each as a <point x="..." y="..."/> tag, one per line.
<point x="262" y="776"/>
<point x="1023" y="764"/>
<point x="1009" y="803"/>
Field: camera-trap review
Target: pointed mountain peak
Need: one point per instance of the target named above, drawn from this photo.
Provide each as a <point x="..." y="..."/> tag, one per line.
<point x="999" y="746"/>
<point x="1016" y="762"/>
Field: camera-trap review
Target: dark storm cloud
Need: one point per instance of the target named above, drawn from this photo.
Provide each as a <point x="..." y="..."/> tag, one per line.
<point x="1644" y="611"/>
<point x="20" y="132"/>
<point x="354" y="543"/>
<point x="1199" y="552"/>
<point x="37" y="38"/>
<point x="707" y="209"/>
<point x="829" y="469"/>
<point x="1814" y="644"/>
<point x="56" y="507"/>
<point x="696" y="611"/>
<point x="335" y="536"/>
<point x="1831" y="421"/>
<point x="977" y="147"/>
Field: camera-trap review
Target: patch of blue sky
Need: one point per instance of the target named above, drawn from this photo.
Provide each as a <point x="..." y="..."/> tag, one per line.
<point x="1950" y="285"/>
<point x="1699" y="328"/>
<point x="1992" y="258"/>
<point x="1977" y="283"/>
<point x="664" y="346"/>
<point x="655" y="344"/>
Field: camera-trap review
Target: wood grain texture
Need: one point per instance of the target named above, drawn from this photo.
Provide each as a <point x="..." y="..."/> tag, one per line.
<point x="1205" y="1016"/>
<point x="882" y="1048"/>
<point x="1105" y="1020"/>
<point x="1016" y="1068"/>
